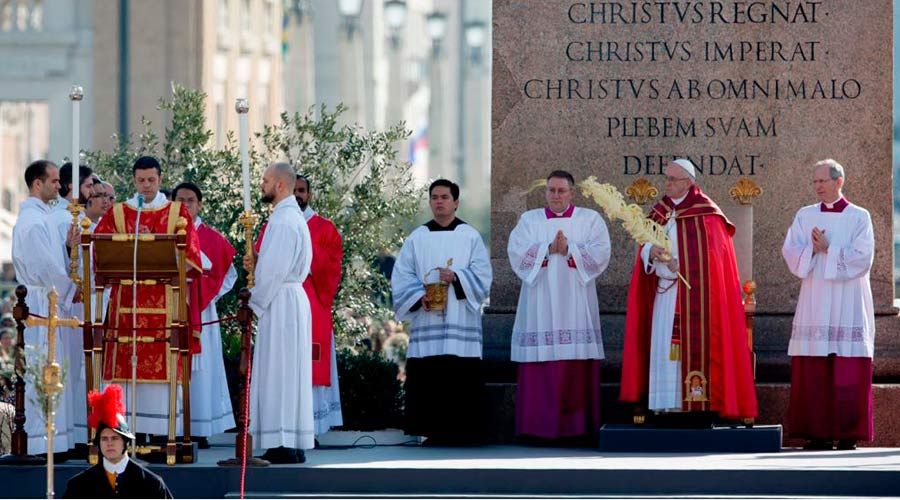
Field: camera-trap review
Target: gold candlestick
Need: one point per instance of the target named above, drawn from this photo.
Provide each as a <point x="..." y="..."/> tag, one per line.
<point x="50" y="380"/>
<point x="248" y="220"/>
<point x="74" y="209"/>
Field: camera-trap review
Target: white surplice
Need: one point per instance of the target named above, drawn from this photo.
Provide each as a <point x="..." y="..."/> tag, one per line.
<point x="327" y="411"/>
<point x="834" y="313"/>
<point x="211" y="411"/>
<point x="281" y="412"/>
<point x="39" y="262"/>
<point x="557" y="317"/>
<point x="457" y="329"/>
<point x="665" y="387"/>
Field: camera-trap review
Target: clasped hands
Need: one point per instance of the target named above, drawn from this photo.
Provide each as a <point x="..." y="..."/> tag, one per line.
<point x="820" y="242"/>
<point x="659" y="254"/>
<point x="560" y="244"/>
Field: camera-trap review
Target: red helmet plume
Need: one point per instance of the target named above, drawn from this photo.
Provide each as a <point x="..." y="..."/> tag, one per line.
<point x="106" y="407"/>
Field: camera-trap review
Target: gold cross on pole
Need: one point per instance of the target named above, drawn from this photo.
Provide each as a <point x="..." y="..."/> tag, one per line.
<point x="50" y="380"/>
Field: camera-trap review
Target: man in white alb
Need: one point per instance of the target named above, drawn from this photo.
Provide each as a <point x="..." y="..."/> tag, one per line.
<point x="281" y="409"/>
<point x="40" y="266"/>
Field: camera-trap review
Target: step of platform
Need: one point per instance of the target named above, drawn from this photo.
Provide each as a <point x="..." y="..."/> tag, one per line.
<point x="497" y="471"/>
<point x="640" y="439"/>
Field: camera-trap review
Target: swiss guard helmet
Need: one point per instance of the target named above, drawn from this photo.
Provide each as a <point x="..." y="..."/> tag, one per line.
<point x="108" y="411"/>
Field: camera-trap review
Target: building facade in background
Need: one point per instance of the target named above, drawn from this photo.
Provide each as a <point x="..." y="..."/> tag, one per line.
<point x="227" y="48"/>
<point x="423" y="62"/>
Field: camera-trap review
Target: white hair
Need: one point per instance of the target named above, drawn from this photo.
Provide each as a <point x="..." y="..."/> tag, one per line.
<point x="835" y="169"/>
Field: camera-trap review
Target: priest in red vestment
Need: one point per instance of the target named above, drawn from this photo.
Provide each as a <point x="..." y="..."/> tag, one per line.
<point x="321" y="287"/>
<point x="686" y="349"/>
<point x="156" y="305"/>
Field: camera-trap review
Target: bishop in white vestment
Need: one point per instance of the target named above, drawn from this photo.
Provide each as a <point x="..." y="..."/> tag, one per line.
<point x="40" y="266"/>
<point x="281" y="411"/>
<point x="830" y="247"/>
<point x="444" y="383"/>
<point x="558" y="252"/>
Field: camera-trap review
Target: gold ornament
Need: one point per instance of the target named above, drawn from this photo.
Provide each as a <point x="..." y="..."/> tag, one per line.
<point x="745" y="191"/>
<point x="642" y="191"/>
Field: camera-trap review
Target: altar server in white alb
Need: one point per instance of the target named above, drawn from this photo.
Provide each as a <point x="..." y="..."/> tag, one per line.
<point x="830" y="246"/>
<point x="558" y="252"/>
<point x="444" y="382"/>
<point x="281" y="409"/>
<point x="71" y="350"/>
<point x="40" y="266"/>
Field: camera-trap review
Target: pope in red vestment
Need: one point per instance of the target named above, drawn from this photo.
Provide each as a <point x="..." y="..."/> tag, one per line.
<point x="156" y="304"/>
<point x="709" y="330"/>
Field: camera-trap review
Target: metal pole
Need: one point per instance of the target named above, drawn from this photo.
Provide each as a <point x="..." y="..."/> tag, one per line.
<point x="461" y="98"/>
<point x="123" y="69"/>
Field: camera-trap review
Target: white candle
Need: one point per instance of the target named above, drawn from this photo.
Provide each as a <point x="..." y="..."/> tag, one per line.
<point x="241" y="106"/>
<point x="76" y="95"/>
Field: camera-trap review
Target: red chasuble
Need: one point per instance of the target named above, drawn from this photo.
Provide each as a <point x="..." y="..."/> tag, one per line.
<point x="321" y="287"/>
<point x="156" y="305"/>
<point x="220" y="252"/>
<point x="709" y="318"/>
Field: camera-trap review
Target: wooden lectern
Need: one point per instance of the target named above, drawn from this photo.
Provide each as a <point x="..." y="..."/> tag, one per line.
<point x="161" y="261"/>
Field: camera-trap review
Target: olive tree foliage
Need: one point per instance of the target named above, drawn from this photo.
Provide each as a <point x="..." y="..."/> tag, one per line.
<point x="357" y="181"/>
<point x="357" y="178"/>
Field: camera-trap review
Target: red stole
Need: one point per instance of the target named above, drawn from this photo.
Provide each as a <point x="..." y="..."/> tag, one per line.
<point x="156" y="304"/>
<point x="715" y="354"/>
<point x="321" y="287"/>
<point x="220" y="252"/>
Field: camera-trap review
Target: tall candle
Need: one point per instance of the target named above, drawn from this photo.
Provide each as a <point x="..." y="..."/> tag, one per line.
<point x="76" y="95"/>
<point x="241" y="106"/>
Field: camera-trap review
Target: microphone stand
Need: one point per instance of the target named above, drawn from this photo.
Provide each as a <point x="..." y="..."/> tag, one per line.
<point x="134" y="308"/>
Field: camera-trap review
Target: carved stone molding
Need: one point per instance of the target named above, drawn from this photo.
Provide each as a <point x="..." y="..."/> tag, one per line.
<point x="642" y="191"/>
<point x="745" y="191"/>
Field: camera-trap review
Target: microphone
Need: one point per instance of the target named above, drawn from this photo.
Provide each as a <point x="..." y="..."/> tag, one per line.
<point x="140" y="200"/>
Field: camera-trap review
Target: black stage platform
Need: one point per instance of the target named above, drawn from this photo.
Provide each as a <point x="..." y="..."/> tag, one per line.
<point x="516" y="470"/>
<point x="649" y="439"/>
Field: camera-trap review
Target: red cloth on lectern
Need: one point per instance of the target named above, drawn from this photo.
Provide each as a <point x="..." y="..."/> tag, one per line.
<point x="709" y="316"/>
<point x="321" y="287"/>
<point x="156" y="305"/>
<point x="221" y="254"/>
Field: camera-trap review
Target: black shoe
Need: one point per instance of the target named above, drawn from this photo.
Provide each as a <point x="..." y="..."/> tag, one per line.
<point x="281" y="455"/>
<point x="300" y="455"/>
<point x="817" y="445"/>
<point x="846" y="444"/>
<point x="202" y="442"/>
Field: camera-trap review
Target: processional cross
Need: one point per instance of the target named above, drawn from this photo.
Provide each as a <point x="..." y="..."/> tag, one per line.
<point x="51" y="376"/>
